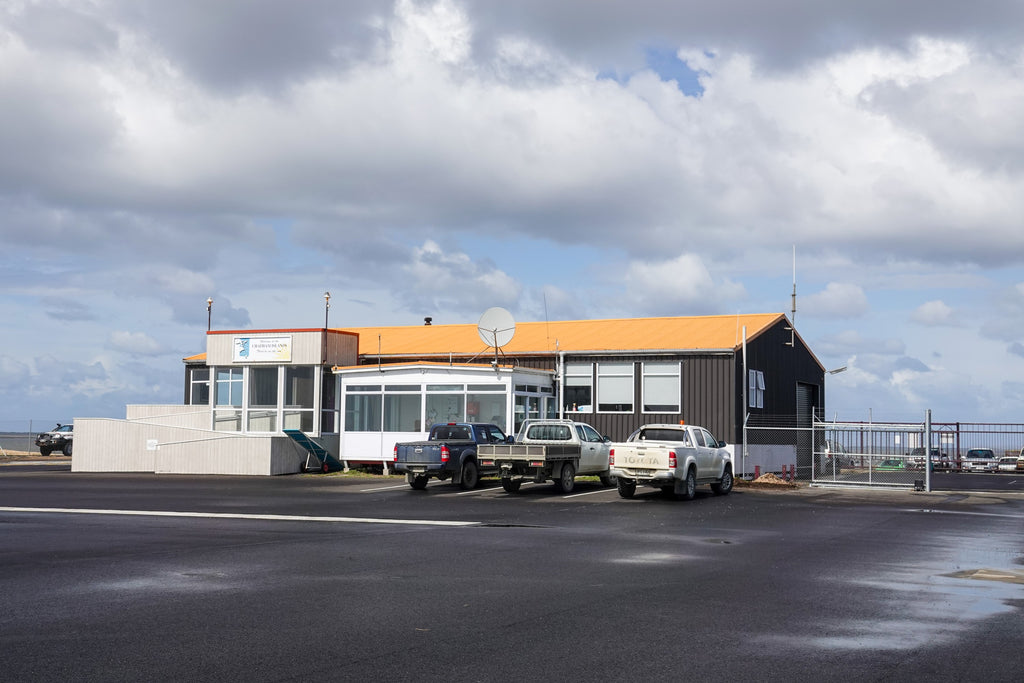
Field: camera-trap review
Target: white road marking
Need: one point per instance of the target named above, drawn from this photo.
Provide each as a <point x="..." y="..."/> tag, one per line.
<point x="588" y="493"/>
<point x="384" y="488"/>
<point x="233" y="515"/>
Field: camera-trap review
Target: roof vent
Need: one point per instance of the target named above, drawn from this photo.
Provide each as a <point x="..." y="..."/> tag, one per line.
<point x="427" y="320"/>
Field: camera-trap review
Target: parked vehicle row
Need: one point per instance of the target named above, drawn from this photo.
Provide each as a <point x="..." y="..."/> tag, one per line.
<point x="674" y="458"/>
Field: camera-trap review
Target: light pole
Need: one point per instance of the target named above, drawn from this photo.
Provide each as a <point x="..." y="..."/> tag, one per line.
<point x="209" y="314"/>
<point x="327" y="308"/>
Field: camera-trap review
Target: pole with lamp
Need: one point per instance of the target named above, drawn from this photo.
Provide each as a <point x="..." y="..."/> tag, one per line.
<point x="209" y="314"/>
<point x="327" y="308"/>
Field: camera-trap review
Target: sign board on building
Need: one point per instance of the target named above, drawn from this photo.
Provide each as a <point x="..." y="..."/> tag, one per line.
<point x="262" y="350"/>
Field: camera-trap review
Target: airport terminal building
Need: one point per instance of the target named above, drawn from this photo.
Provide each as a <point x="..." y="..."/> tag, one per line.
<point x="256" y="396"/>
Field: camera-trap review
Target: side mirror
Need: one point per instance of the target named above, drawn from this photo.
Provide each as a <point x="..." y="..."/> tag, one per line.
<point x="606" y="439"/>
<point x="510" y="439"/>
<point x="721" y="444"/>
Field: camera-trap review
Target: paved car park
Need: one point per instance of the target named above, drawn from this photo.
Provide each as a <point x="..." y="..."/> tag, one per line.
<point x="147" y="577"/>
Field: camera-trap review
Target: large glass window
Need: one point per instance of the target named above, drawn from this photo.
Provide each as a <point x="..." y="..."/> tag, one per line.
<point x="402" y="412"/>
<point x="363" y="410"/>
<point x="262" y="413"/>
<point x="445" y="403"/>
<point x="328" y="404"/>
<point x="487" y="403"/>
<point x="229" y="387"/>
<point x="661" y="387"/>
<point x="615" y="387"/>
<point x="299" y="391"/>
<point x="199" y="386"/>
<point x="227" y="416"/>
<point x="578" y="391"/>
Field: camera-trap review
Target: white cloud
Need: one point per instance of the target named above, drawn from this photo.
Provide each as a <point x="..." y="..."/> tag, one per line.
<point x="837" y="300"/>
<point x="135" y="343"/>
<point x="681" y="286"/>
<point x="447" y="281"/>
<point x="149" y="159"/>
<point x="935" y="314"/>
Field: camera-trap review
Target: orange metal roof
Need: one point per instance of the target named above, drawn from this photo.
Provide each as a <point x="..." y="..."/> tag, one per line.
<point x="628" y="334"/>
<point x="697" y="333"/>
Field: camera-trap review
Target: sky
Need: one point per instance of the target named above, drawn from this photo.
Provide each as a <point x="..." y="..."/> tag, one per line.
<point x="574" y="160"/>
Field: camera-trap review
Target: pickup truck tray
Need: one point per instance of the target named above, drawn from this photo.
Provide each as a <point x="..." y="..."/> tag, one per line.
<point x="529" y="451"/>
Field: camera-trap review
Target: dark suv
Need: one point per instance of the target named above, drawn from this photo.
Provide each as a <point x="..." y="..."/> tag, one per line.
<point x="59" y="439"/>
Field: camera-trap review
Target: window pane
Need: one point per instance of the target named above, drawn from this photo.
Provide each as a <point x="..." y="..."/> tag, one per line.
<point x="263" y="388"/>
<point x="615" y="393"/>
<point x="486" y="387"/>
<point x="298" y="387"/>
<point x="228" y="387"/>
<point x="661" y="368"/>
<point x="261" y="421"/>
<point x="362" y="413"/>
<point x="661" y="394"/>
<point x="299" y="419"/>
<point x="444" y="387"/>
<point x="489" y="408"/>
<point x="402" y="413"/>
<point x="578" y="399"/>
<point x="445" y="408"/>
<point x="227" y="420"/>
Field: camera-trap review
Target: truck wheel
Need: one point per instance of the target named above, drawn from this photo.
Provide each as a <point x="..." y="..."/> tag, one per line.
<point x="511" y="485"/>
<point x="44" y="451"/>
<point x="470" y="475"/>
<point x="419" y="483"/>
<point x="722" y="488"/>
<point x="607" y="480"/>
<point x="67" y="448"/>
<point x="626" y="488"/>
<point x="689" y="485"/>
<point x="567" y="479"/>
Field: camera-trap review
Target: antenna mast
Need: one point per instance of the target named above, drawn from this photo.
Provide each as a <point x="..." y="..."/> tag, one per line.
<point x="792" y="322"/>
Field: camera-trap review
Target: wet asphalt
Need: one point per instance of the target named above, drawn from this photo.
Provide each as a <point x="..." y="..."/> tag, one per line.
<point x="156" y="577"/>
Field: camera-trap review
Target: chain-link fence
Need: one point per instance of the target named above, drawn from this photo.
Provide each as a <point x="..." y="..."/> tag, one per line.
<point x="860" y="454"/>
<point x="890" y="454"/>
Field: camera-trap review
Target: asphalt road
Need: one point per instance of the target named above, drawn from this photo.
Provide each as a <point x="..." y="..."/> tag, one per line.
<point x="326" y="578"/>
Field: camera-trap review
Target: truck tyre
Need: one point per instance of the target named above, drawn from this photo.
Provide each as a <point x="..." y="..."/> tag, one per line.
<point x="723" y="487"/>
<point x="470" y="475"/>
<point x="689" y="485"/>
<point x="67" y="448"/>
<point x="567" y="479"/>
<point x="626" y="488"/>
<point x="511" y="485"/>
<point x="418" y="483"/>
<point x="44" y="451"/>
<point x="607" y="480"/>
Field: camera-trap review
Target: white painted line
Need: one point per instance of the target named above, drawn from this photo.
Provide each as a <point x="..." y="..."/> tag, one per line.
<point x="384" y="488"/>
<point x="232" y="515"/>
<point x="588" y="493"/>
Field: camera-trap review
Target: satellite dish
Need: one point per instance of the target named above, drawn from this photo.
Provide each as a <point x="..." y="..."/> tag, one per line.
<point x="496" y="327"/>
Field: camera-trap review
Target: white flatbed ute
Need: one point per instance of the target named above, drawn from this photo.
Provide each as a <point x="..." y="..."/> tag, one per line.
<point x="549" y="449"/>
<point x="673" y="457"/>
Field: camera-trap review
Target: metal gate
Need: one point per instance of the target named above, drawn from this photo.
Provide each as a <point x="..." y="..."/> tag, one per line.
<point x="872" y="454"/>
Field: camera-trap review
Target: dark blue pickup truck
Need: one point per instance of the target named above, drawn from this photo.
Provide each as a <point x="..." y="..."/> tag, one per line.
<point x="448" y="453"/>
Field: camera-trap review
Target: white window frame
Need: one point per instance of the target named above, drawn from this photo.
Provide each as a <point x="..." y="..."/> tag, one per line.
<point x="612" y="375"/>
<point x="755" y="389"/>
<point x="662" y="372"/>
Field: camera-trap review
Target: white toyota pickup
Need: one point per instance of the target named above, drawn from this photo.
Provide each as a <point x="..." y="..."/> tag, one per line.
<point x="672" y="457"/>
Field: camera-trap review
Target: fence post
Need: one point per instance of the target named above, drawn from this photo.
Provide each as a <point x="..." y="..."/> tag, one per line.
<point x="757" y="471"/>
<point x="928" y="450"/>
